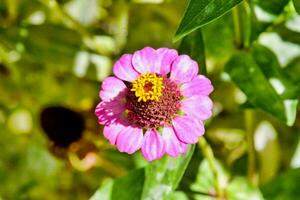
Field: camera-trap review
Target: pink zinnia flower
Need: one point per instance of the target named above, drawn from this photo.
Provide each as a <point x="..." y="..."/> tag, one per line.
<point x="156" y="102"/>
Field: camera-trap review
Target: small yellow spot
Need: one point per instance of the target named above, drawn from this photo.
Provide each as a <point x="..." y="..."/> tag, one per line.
<point x="148" y="87"/>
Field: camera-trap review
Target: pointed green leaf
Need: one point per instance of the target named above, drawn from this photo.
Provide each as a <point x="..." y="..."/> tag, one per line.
<point x="240" y="189"/>
<point x="129" y="187"/>
<point x="260" y="77"/>
<point x="297" y="5"/>
<point x="272" y="6"/>
<point x="200" y="13"/>
<point x="163" y="176"/>
<point x="193" y="45"/>
<point x="205" y="179"/>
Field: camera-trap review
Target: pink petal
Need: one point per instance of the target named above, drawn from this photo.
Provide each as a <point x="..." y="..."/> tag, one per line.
<point x="130" y="139"/>
<point x="112" y="131"/>
<point x="145" y="60"/>
<point x="153" y="145"/>
<point x="188" y="129"/>
<point x="200" y="85"/>
<point x="173" y="146"/>
<point x="112" y="88"/>
<point x="109" y="111"/>
<point x="183" y="69"/>
<point x="165" y="57"/>
<point x="198" y="106"/>
<point x="123" y="68"/>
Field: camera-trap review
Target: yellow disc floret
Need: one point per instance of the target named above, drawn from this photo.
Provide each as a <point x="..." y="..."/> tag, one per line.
<point x="148" y="87"/>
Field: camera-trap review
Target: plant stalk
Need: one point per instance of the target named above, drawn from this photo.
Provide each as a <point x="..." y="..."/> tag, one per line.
<point x="241" y="15"/>
<point x="252" y="174"/>
<point x="209" y="155"/>
<point x="237" y="26"/>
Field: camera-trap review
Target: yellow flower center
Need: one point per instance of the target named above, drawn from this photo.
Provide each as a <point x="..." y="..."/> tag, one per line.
<point x="148" y="87"/>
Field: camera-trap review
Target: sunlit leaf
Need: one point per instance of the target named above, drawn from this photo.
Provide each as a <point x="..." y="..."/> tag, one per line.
<point x="201" y="12"/>
<point x="193" y="45"/>
<point x="290" y="31"/>
<point x="259" y="76"/>
<point x="104" y="192"/>
<point x="285" y="49"/>
<point x="293" y="70"/>
<point x="129" y="187"/>
<point x="163" y="176"/>
<point x="265" y="14"/>
<point x="272" y="6"/>
<point x="241" y="189"/>
<point x="177" y="196"/>
<point x="205" y="179"/>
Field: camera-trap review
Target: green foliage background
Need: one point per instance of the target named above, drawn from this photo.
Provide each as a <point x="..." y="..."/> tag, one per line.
<point x="56" y="52"/>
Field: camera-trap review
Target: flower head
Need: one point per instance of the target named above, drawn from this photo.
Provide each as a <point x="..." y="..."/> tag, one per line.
<point x="156" y="102"/>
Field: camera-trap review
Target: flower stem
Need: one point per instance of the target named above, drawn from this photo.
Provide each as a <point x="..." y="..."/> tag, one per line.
<point x="252" y="174"/>
<point x="209" y="155"/>
<point x="237" y="26"/>
<point x="241" y="15"/>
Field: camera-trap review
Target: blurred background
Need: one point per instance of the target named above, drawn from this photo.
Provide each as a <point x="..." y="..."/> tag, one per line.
<point x="53" y="57"/>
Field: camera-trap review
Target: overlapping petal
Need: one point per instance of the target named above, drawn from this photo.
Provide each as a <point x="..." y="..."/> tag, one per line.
<point x="112" y="131"/>
<point x="173" y="146"/>
<point x="124" y="70"/>
<point x="188" y="129"/>
<point x="144" y="60"/>
<point x="109" y="111"/>
<point x="165" y="58"/>
<point x="154" y="61"/>
<point x="198" y="106"/>
<point x="153" y="145"/>
<point x="129" y="139"/>
<point x="183" y="69"/>
<point x="200" y="85"/>
<point x="112" y="88"/>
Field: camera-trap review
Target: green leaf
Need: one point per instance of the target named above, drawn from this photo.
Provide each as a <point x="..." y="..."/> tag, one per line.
<point x="163" y="176"/>
<point x="200" y="13"/>
<point x="204" y="197"/>
<point x="240" y="189"/>
<point x="104" y="192"/>
<point x="258" y="74"/>
<point x="222" y="46"/>
<point x="129" y="187"/>
<point x="287" y="34"/>
<point x="297" y="5"/>
<point x="272" y="6"/>
<point x="293" y="70"/>
<point x="205" y="179"/>
<point x="268" y="63"/>
<point x="177" y="196"/>
<point x="270" y="11"/>
<point x="156" y="181"/>
<point x="193" y="45"/>
<point x="283" y="187"/>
